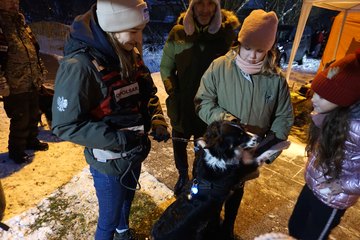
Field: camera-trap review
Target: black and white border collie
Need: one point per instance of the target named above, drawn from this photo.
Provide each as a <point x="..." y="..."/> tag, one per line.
<point x="223" y="158"/>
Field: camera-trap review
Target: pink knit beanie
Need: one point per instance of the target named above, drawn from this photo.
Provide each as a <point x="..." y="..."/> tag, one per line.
<point x="340" y="83"/>
<point x="120" y="15"/>
<point x="259" y="30"/>
<point x="189" y="22"/>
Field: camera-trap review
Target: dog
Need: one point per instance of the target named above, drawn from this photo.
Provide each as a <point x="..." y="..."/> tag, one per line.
<point x="223" y="159"/>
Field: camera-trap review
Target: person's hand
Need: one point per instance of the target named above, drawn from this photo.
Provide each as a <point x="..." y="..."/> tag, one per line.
<point x="4" y="87"/>
<point x="133" y="139"/>
<point x="330" y="188"/>
<point x="231" y="118"/>
<point x="270" y="148"/>
<point x="160" y="133"/>
<point x="168" y="87"/>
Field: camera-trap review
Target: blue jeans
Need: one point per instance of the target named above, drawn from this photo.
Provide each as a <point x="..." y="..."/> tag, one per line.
<point x="114" y="202"/>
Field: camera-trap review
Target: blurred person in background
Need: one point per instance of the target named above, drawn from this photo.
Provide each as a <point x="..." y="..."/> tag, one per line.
<point x="21" y="75"/>
<point x="202" y="33"/>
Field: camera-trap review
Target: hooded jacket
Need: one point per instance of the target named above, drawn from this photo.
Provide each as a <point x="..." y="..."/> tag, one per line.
<point x="79" y="89"/>
<point x="350" y="175"/>
<point x="262" y="103"/>
<point x="185" y="59"/>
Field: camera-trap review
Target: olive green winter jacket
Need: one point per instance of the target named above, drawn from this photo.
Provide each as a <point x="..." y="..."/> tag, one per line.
<point x="185" y="59"/>
<point x="263" y="104"/>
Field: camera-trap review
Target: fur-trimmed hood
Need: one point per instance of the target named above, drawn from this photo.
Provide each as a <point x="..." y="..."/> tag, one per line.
<point x="228" y="18"/>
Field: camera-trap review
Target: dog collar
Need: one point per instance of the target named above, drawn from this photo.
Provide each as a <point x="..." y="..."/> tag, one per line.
<point x="201" y="184"/>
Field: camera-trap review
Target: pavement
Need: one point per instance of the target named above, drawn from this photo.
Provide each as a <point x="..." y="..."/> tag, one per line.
<point x="268" y="200"/>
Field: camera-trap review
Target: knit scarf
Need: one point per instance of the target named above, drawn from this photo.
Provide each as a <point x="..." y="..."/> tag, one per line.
<point x="249" y="68"/>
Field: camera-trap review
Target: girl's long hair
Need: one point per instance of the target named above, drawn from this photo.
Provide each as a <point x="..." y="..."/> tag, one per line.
<point x="126" y="58"/>
<point x="270" y="65"/>
<point x="328" y="142"/>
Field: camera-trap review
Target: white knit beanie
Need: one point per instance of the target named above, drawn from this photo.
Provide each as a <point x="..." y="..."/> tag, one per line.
<point x="120" y="15"/>
<point x="189" y="22"/>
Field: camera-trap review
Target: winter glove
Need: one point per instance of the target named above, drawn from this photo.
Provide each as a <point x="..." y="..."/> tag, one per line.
<point x="4" y="87"/>
<point x="231" y="118"/>
<point x="168" y="87"/>
<point x="134" y="139"/>
<point x="270" y="148"/>
<point x="160" y="133"/>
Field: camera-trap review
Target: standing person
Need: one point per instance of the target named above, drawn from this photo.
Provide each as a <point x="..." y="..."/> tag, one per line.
<point x="105" y="100"/>
<point x="332" y="171"/>
<point x="245" y="86"/>
<point x="203" y="33"/>
<point x="21" y="75"/>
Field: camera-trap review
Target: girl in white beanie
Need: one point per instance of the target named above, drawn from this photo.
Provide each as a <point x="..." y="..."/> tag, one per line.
<point x="245" y="86"/>
<point x="105" y="101"/>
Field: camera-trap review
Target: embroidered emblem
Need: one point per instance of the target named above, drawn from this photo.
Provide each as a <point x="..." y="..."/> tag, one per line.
<point x="62" y="104"/>
<point x="268" y="97"/>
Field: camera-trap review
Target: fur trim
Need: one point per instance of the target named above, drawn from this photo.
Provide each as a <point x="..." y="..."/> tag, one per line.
<point x="189" y="21"/>
<point x="228" y="18"/>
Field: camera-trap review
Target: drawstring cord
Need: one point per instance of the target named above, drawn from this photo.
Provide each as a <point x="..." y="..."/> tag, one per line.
<point x="179" y="139"/>
<point x="138" y="186"/>
<point x="128" y="169"/>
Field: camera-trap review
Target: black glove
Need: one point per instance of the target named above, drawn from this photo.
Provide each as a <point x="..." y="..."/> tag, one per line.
<point x="134" y="139"/>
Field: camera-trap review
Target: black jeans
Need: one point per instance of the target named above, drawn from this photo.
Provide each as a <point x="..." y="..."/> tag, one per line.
<point x="312" y="219"/>
<point x="180" y="153"/>
<point x="23" y="111"/>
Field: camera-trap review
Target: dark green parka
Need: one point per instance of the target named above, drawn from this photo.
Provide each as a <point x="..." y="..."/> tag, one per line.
<point x="185" y="59"/>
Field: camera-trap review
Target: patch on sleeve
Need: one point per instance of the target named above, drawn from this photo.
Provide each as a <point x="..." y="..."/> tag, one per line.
<point x="62" y="104"/>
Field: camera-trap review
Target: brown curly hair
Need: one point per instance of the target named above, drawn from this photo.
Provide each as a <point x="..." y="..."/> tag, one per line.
<point x="329" y="141"/>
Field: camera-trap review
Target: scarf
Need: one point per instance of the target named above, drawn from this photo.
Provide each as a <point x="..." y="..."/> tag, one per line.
<point x="318" y="118"/>
<point x="249" y="68"/>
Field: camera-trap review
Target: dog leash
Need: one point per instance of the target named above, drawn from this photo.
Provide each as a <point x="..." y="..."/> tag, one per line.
<point x="179" y="139"/>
